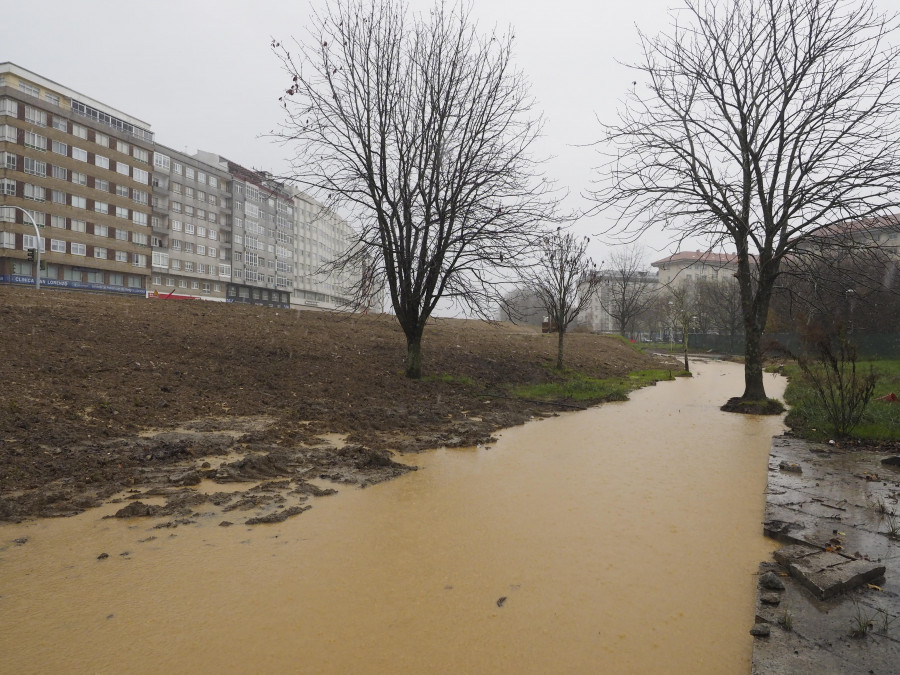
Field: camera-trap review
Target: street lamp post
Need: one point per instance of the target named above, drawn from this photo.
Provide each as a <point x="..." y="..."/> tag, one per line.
<point x="37" y="249"/>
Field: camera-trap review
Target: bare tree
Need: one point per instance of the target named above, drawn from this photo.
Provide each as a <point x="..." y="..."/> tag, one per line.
<point x="630" y="287"/>
<point x="419" y="127"/>
<point x="564" y="280"/>
<point x="766" y="123"/>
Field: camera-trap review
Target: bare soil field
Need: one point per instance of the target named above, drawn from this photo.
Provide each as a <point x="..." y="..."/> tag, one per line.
<point x="101" y="393"/>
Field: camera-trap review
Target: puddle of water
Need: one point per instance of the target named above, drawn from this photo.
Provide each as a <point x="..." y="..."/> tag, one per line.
<point x="623" y="539"/>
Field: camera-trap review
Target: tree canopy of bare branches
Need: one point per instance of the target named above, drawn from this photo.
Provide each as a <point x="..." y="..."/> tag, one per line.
<point x="420" y="127"/>
<point x="765" y="124"/>
<point x="563" y="280"/>
<point x="631" y="292"/>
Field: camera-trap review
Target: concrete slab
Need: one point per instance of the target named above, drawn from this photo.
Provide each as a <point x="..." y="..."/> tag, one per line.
<point x="840" y="569"/>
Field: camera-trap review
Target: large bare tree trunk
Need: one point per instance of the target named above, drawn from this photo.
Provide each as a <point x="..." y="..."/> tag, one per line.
<point x="414" y="356"/>
<point x="559" y="348"/>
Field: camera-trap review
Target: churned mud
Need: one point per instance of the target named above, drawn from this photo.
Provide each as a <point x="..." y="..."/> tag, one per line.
<point x="100" y="394"/>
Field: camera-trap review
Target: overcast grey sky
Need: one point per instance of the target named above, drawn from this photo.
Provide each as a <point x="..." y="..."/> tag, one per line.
<point x="202" y="74"/>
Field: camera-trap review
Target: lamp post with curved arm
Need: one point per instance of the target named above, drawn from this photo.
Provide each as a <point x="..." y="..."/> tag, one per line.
<point x="37" y="247"/>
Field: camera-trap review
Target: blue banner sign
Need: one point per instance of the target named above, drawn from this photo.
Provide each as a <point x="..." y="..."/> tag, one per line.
<point x="65" y="283"/>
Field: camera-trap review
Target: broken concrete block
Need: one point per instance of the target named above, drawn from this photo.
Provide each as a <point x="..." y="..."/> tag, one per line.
<point x="789" y="554"/>
<point x="829" y="574"/>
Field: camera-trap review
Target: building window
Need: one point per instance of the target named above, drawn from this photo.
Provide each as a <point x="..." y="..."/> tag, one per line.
<point x="122" y="147"/>
<point x="58" y="221"/>
<point x="176" y="207"/>
<point x="7" y="239"/>
<point x="9" y="107"/>
<point x="58" y="196"/>
<point x="34" y="192"/>
<point x="176" y="188"/>
<point x="57" y="245"/>
<point x="101" y="184"/>
<point x="189" y="228"/>
<point x="123" y="168"/>
<point x="77" y="225"/>
<point x="121" y="235"/>
<point x="101" y="161"/>
<point x="175" y="264"/>
<point x="175" y="244"/>
<point x="139" y="238"/>
<point x="188" y="247"/>
<point x="188" y="266"/>
<point x="60" y="148"/>
<point x="29" y="241"/>
<point x="101" y="207"/>
<point x="189" y="173"/>
<point x="79" y="154"/>
<point x="34" y="167"/>
<point x="79" y="178"/>
<point x="121" y="212"/>
<point x="177" y="168"/>
<point x="138" y="260"/>
<point x="60" y="123"/>
<point x="161" y="161"/>
<point x="78" y="249"/>
<point x="138" y="218"/>
<point x="170" y="281"/>
<point x="195" y="285"/>
<point x="157" y="280"/>
<point x="160" y="259"/>
<point x="140" y="196"/>
<point x="8" y="160"/>
<point x="29" y="89"/>
<point x="35" y="116"/>
<point x="122" y="190"/>
<point x="7" y="187"/>
<point x="116" y="279"/>
<point x="36" y="141"/>
<point x="101" y="230"/>
<point x="121" y="256"/>
<point x="176" y="225"/>
<point x="101" y="139"/>
<point x="141" y="176"/>
<point x="79" y="131"/>
<point x="141" y="155"/>
<point x="182" y="283"/>
<point x="201" y="249"/>
<point x="189" y="192"/>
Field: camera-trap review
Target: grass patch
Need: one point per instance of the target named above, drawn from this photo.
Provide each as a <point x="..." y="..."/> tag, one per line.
<point x="574" y="386"/>
<point x="881" y="421"/>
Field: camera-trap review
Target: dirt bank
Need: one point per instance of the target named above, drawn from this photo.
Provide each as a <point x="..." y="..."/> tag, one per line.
<point x="101" y="393"/>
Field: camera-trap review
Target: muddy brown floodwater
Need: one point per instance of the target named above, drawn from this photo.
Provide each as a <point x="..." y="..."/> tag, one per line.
<point x="621" y="539"/>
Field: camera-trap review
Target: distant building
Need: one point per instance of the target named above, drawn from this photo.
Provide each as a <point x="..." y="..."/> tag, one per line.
<point x="82" y="170"/>
<point x="323" y="237"/>
<point x="191" y="229"/>
<point x="636" y="291"/>
<point x="522" y="306"/>
<point x="121" y="213"/>
<point x="686" y="266"/>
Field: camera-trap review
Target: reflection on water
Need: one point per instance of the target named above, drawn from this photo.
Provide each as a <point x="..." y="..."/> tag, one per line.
<point x="623" y="539"/>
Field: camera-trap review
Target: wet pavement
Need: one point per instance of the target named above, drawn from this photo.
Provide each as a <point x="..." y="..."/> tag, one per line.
<point x="830" y="601"/>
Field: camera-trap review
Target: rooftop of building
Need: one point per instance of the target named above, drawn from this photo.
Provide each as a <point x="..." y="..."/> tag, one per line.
<point x="8" y="67"/>
<point x="698" y="257"/>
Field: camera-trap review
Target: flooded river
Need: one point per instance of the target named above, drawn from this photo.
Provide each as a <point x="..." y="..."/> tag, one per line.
<point x="623" y="539"/>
